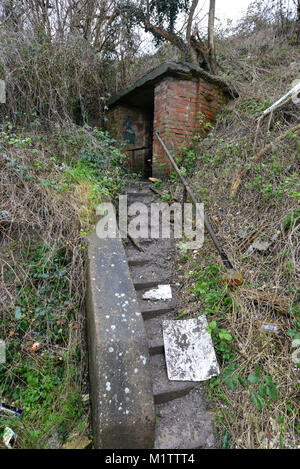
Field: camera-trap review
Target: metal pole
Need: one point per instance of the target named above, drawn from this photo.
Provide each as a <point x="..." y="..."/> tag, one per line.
<point x="207" y="225"/>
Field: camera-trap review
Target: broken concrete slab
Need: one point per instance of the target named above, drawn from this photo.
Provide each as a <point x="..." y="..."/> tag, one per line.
<point x="261" y="245"/>
<point x="190" y="355"/>
<point x="161" y="292"/>
<point x="264" y="242"/>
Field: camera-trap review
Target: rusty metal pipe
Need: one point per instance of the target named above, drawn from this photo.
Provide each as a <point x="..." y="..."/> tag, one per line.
<point x="207" y="225"/>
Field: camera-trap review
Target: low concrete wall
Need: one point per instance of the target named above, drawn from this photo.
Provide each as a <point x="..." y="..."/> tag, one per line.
<point x="123" y="414"/>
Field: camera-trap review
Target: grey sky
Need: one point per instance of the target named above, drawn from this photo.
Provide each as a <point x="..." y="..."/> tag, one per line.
<point x="228" y="9"/>
<point x="225" y="10"/>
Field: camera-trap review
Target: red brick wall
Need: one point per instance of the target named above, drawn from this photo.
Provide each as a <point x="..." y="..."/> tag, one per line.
<point x="130" y="126"/>
<point x="181" y="110"/>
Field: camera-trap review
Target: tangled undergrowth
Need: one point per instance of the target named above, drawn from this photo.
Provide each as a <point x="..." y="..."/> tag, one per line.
<point x="50" y="185"/>
<point x="255" y="326"/>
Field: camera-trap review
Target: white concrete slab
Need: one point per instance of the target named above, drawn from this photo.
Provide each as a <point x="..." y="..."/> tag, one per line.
<point x="161" y="292"/>
<point x="190" y="354"/>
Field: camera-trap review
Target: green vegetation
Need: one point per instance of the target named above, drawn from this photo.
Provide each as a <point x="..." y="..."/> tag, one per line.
<point x="246" y="384"/>
<point x="56" y="166"/>
<point x="254" y="398"/>
<point x="50" y="186"/>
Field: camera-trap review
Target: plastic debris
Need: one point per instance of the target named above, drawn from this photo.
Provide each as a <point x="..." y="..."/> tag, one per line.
<point x="250" y="249"/>
<point x="261" y="245"/>
<point x="10" y="411"/>
<point x="269" y="327"/>
<point x="9" y="438"/>
<point x="243" y="234"/>
<point x="232" y="279"/>
<point x="4" y="215"/>
<point x="190" y="354"/>
<point x="35" y="347"/>
<point x="162" y="292"/>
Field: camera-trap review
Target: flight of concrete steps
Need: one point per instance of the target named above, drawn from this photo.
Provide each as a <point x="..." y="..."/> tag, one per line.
<point x="182" y="418"/>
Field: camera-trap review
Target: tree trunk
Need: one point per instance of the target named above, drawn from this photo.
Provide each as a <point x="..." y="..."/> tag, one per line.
<point x="171" y="37"/>
<point x="211" y="37"/>
<point x="297" y="25"/>
<point x="193" y="50"/>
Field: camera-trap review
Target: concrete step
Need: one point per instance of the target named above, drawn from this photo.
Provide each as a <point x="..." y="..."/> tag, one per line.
<point x="156" y="250"/>
<point x="137" y="261"/>
<point x="184" y="423"/>
<point x="139" y="186"/>
<point x="142" y="192"/>
<point x="141" y="284"/>
<point x="151" y="271"/>
<point x="165" y="390"/>
<point x="146" y="199"/>
<point x="154" y="333"/>
<point x="161" y="265"/>
<point x="150" y="310"/>
<point x="145" y="195"/>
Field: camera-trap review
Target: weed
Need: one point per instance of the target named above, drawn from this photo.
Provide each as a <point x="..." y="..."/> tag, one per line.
<point x="43" y="273"/>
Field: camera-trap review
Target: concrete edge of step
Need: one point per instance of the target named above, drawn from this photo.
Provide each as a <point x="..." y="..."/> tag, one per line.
<point x="123" y="412"/>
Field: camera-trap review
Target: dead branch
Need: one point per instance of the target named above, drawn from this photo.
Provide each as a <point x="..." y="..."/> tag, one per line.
<point x="135" y="243"/>
<point x="276" y="303"/>
<point x="241" y="171"/>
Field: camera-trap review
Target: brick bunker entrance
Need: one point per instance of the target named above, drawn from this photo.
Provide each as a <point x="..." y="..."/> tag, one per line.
<point x="176" y="99"/>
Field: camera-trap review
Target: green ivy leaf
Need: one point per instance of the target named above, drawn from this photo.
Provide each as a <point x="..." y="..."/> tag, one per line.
<point x="212" y="325"/>
<point x="253" y="379"/>
<point x="254" y="398"/>
<point x="243" y="382"/>
<point x="231" y="382"/>
<point x="262" y="390"/>
<point x="257" y="370"/>
<point x="271" y="388"/>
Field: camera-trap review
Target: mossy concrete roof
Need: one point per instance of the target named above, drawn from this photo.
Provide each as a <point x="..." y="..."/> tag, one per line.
<point x="141" y="92"/>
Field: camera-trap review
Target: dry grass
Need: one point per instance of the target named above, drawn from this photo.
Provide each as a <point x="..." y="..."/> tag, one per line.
<point x="48" y="192"/>
<point x="46" y="221"/>
<point x="260" y="65"/>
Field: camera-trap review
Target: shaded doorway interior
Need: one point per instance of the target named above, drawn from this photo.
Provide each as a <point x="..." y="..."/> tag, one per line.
<point x="134" y="117"/>
<point x="149" y="151"/>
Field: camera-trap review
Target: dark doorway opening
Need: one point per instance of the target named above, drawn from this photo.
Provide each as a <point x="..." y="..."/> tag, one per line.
<point x="149" y="151"/>
<point x="138" y="118"/>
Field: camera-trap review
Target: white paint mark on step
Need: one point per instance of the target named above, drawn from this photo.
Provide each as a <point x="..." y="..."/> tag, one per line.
<point x="162" y="292"/>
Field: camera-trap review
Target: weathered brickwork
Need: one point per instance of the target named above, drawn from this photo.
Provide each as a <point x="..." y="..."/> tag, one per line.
<point x="183" y="105"/>
<point x="130" y="126"/>
<point x="181" y="110"/>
